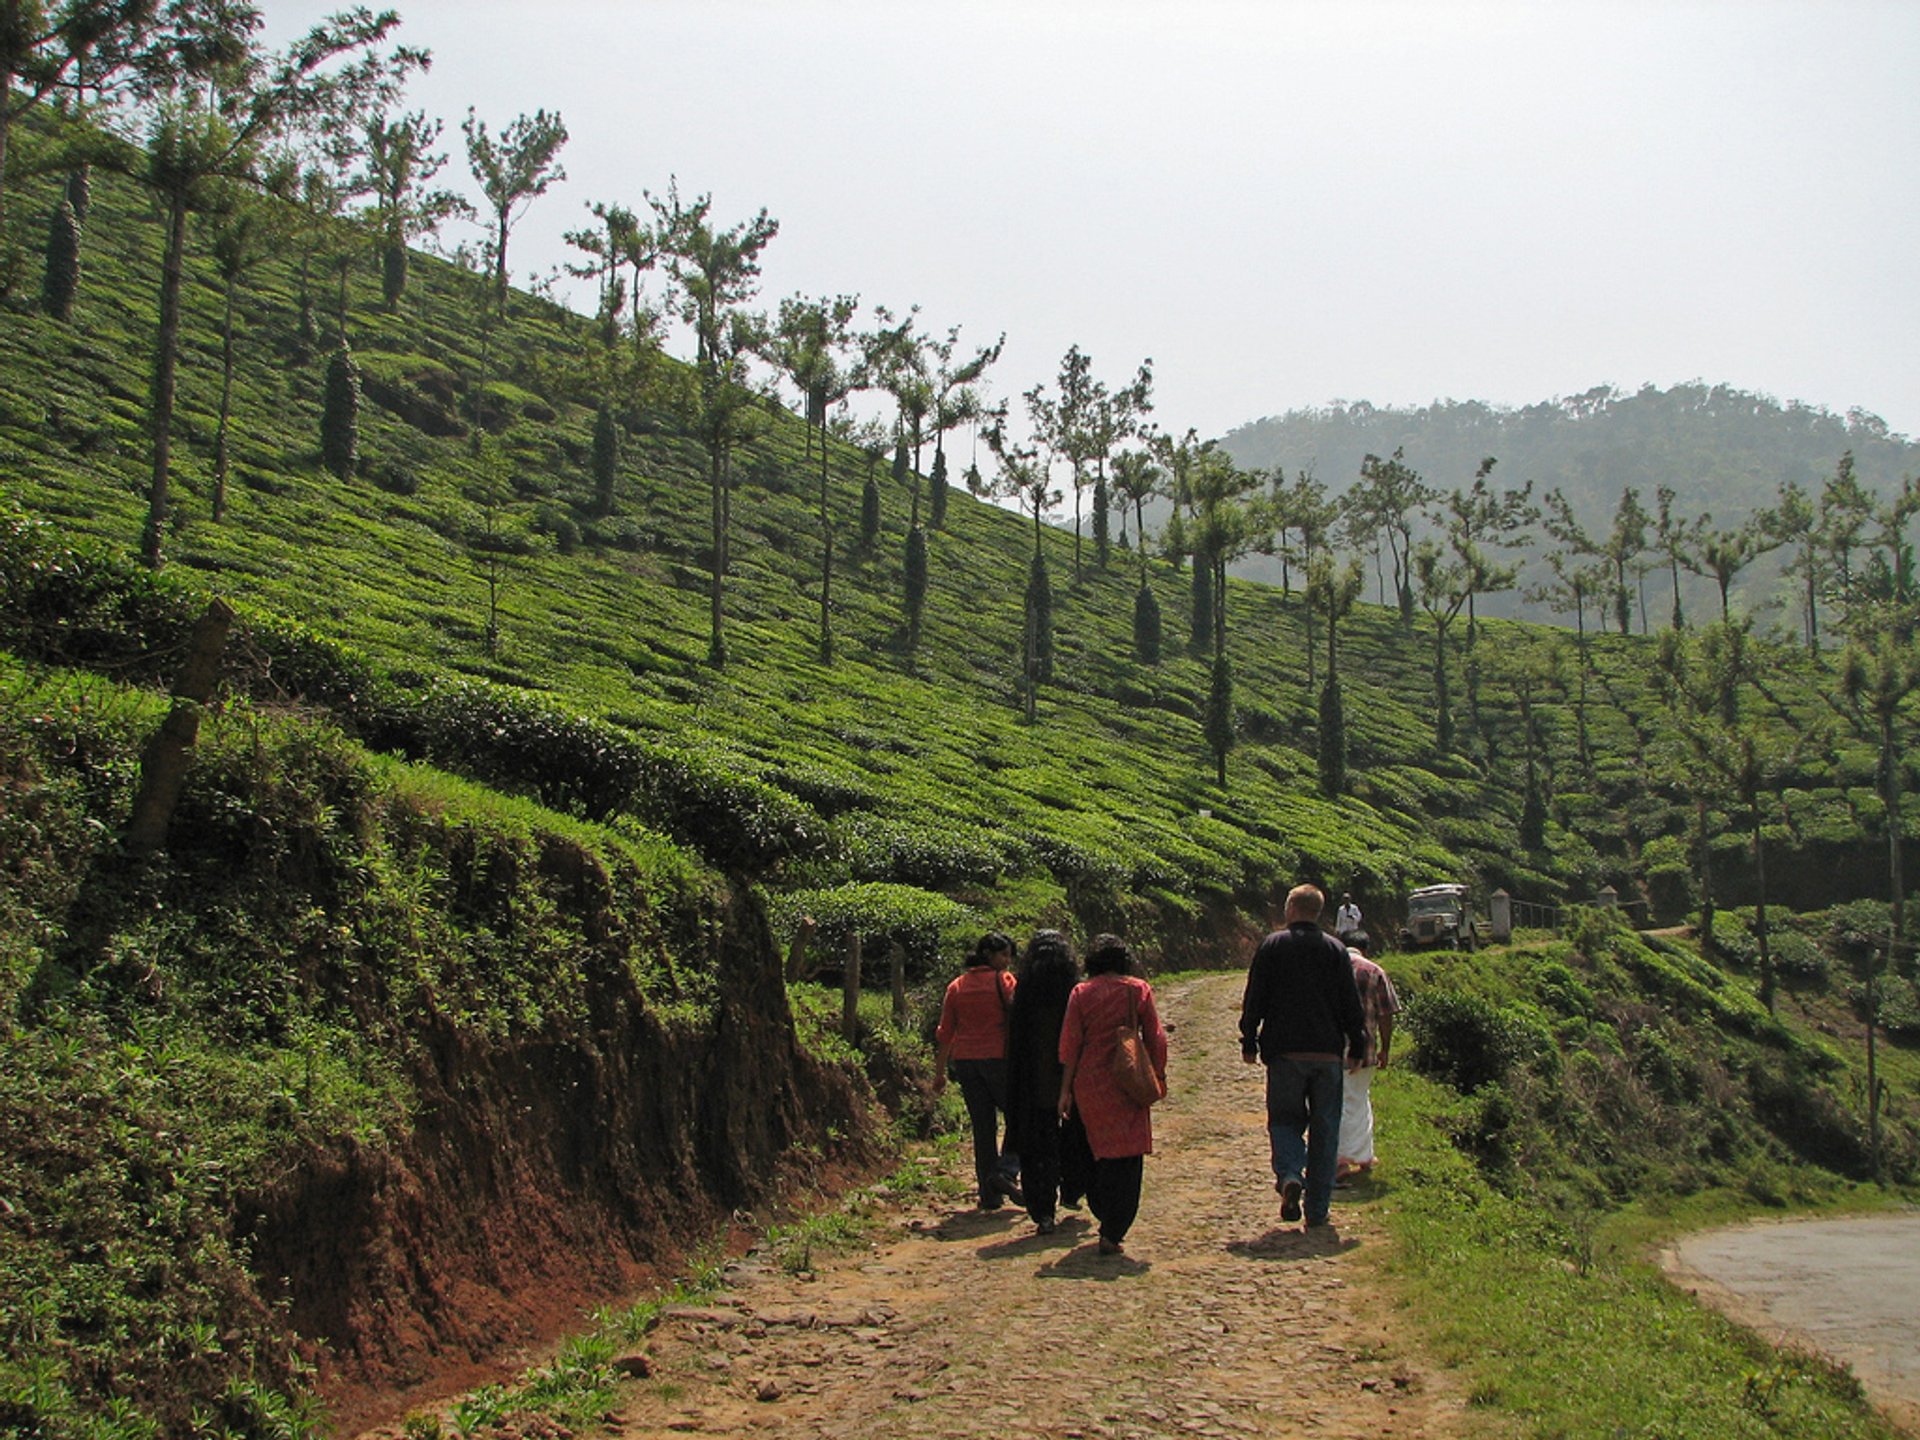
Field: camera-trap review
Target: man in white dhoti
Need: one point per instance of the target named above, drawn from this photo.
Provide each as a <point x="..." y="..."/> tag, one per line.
<point x="1379" y="1004"/>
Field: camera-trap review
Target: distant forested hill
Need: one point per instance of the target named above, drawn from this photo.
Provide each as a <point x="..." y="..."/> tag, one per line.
<point x="1723" y="451"/>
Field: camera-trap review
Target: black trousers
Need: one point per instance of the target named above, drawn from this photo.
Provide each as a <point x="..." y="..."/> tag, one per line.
<point x="1114" y="1196"/>
<point x="983" y="1086"/>
<point x="1055" y="1164"/>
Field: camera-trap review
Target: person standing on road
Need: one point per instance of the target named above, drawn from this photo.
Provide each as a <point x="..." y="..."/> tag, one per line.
<point x="1301" y="1015"/>
<point x="1378" y="1005"/>
<point x="1346" y="920"/>
<point x="1055" y="1164"/>
<point x="1119" y="1131"/>
<point x="972" y="1039"/>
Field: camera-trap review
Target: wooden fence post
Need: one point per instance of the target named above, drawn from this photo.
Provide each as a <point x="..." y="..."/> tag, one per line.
<point x="797" y="955"/>
<point x="163" y="764"/>
<point x="850" y="990"/>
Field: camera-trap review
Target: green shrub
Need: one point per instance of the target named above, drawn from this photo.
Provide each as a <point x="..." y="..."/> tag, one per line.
<point x="1463" y="1039"/>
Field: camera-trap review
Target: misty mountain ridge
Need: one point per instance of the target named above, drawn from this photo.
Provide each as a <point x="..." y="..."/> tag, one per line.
<point x="1724" y="451"/>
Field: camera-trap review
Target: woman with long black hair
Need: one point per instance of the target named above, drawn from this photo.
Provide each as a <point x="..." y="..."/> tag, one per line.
<point x="1054" y="1159"/>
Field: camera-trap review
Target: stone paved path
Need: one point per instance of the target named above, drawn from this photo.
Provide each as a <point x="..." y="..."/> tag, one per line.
<point x="1218" y="1321"/>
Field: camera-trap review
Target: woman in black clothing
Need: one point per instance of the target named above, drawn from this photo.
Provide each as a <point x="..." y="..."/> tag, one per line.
<point x="1055" y="1160"/>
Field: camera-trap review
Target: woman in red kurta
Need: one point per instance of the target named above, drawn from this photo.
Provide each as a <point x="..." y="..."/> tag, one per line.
<point x="972" y="1037"/>
<point x="1119" y="1131"/>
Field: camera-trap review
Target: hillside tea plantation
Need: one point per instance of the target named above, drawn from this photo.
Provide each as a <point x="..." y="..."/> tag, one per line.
<point x="458" y="987"/>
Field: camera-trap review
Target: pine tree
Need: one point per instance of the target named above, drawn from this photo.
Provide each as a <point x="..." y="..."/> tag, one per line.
<point x="80" y="191"/>
<point x="1040" y="597"/>
<point x="870" y="514"/>
<point x="1333" y="740"/>
<point x="1201" y="632"/>
<point x="62" y="278"/>
<point x="340" y="417"/>
<point x="1146" y="625"/>
<point x="1533" y="815"/>
<point x="1219" y="719"/>
<point x="606" y="460"/>
<point x="916" y="578"/>
<point x="1102" y="523"/>
<point x="938" y="493"/>
<point x="1036" y="649"/>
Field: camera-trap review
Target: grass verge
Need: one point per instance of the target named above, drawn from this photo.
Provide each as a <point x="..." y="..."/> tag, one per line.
<point x="1566" y="1326"/>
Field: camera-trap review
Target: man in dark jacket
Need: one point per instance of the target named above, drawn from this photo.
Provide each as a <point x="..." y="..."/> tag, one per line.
<point x="1302" y="1017"/>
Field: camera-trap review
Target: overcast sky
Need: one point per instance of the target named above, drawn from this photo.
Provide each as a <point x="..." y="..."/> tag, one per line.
<point x="1282" y="204"/>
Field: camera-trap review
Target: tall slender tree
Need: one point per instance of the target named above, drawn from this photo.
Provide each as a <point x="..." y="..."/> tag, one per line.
<point x="1675" y="540"/>
<point x="1114" y="417"/>
<point x="399" y="166"/>
<point x="1385" y="505"/>
<point x="810" y="339"/>
<point x="1334" y="589"/>
<point x="54" y="49"/>
<point x="513" y="169"/>
<point x="1846" y="512"/>
<point x="213" y="103"/>
<point x="716" y="272"/>
<point x="245" y="234"/>
<point x="957" y="399"/>
<point x="1060" y="424"/>
<point x="1721" y="554"/>
<point x="1443" y="586"/>
<point x="1879" y="676"/>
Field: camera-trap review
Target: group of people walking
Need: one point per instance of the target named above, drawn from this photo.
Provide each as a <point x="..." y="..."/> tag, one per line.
<point x="1040" y="1049"/>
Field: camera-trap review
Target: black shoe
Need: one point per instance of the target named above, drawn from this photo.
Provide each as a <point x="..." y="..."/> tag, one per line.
<point x="1290" y="1200"/>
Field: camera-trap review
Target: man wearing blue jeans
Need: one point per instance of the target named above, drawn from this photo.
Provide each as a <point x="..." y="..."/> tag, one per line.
<point x="1302" y="1017"/>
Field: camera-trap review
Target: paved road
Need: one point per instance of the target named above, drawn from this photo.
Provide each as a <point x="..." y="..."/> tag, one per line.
<point x="1849" y="1288"/>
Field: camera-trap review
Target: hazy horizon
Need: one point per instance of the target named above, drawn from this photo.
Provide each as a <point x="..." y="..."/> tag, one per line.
<point x="1283" y="205"/>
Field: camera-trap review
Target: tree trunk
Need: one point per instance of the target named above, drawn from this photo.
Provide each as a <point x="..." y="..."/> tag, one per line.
<point x="6" y="137"/>
<point x="826" y="555"/>
<point x="500" y="265"/>
<point x="797" y="967"/>
<point x="1896" y="879"/>
<point x="226" y="409"/>
<point x="717" y="638"/>
<point x="1705" y="862"/>
<point x="163" y="764"/>
<point x="1760" y="906"/>
<point x="897" y="973"/>
<point x="165" y="363"/>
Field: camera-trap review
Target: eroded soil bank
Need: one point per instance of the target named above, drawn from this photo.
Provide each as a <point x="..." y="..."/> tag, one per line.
<point x="1219" y="1320"/>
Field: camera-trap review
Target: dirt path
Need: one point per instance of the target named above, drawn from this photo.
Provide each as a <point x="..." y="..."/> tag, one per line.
<point x="1217" y="1322"/>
